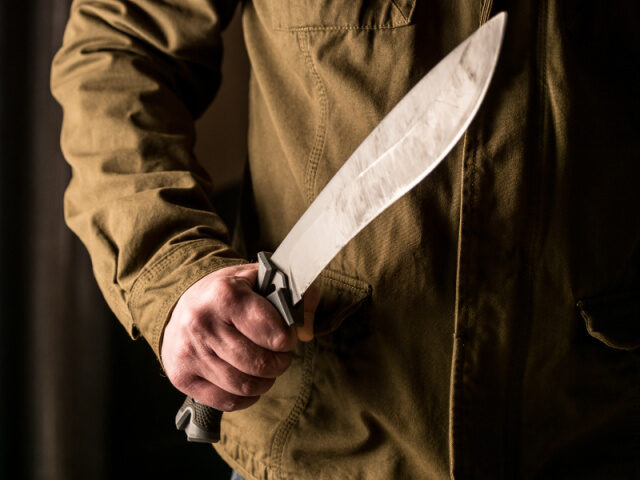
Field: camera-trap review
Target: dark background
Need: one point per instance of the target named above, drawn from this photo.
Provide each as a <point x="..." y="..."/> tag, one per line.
<point x="78" y="398"/>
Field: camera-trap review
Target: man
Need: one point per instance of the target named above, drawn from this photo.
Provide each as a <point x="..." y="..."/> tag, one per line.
<point x="485" y="326"/>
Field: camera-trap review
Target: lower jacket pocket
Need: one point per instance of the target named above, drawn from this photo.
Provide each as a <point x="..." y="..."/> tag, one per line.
<point x="613" y="319"/>
<point x="342" y="296"/>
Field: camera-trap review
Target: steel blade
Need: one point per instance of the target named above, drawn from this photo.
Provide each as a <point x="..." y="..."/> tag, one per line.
<point x="405" y="147"/>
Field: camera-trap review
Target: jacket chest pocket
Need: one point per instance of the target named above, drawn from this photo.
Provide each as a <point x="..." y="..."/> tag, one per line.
<point x="340" y="14"/>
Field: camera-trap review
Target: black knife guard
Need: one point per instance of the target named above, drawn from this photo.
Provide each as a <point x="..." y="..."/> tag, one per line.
<point x="274" y="286"/>
<point x="202" y="423"/>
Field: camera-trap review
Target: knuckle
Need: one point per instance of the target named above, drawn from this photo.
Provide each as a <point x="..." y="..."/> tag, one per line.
<point x="181" y="380"/>
<point x="192" y="319"/>
<point x="184" y="351"/>
<point x="261" y="366"/>
<point x="279" y="341"/>
<point x="253" y="387"/>
<point x="230" y="403"/>
<point x="247" y="387"/>
<point x="225" y="293"/>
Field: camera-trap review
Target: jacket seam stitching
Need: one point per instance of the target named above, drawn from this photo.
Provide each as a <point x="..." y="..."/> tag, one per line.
<point x="354" y="287"/>
<point x="317" y="148"/>
<point x="465" y="312"/>
<point x="458" y="351"/>
<point x="329" y="28"/>
<point x="284" y="430"/>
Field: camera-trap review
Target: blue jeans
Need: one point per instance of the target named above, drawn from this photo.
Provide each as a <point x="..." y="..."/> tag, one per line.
<point x="236" y="476"/>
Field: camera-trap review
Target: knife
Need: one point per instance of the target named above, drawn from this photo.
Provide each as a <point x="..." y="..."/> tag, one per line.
<point x="397" y="155"/>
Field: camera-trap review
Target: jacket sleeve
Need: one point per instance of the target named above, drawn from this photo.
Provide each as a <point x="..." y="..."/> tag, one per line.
<point x="131" y="77"/>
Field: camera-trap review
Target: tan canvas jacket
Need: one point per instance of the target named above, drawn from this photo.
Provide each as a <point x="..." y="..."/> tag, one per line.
<point x="486" y="325"/>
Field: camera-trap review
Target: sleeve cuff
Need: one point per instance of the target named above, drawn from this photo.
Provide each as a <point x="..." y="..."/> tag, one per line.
<point x="161" y="285"/>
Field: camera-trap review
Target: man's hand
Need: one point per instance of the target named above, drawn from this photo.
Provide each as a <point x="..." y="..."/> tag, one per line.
<point x="225" y="344"/>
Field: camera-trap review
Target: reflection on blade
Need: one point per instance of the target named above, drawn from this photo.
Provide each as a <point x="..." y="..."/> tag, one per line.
<point x="408" y="144"/>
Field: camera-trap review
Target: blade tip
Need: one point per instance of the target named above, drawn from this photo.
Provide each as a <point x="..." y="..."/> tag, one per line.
<point x="500" y="19"/>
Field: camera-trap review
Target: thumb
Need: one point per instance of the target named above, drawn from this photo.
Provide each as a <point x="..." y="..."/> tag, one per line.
<point x="311" y="300"/>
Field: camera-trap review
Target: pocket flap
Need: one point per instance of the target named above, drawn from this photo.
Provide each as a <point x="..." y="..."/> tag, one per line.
<point x="613" y="319"/>
<point x="342" y="296"/>
<point x="341" y="14"/>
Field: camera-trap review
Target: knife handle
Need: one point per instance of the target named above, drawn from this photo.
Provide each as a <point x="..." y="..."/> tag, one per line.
<point x="201" y="423"/>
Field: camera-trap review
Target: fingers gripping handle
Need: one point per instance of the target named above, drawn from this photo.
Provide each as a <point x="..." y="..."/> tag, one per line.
<point x="202" y="423"/>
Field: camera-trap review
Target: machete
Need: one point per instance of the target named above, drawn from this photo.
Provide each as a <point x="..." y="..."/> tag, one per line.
<point x="399" y="153"/>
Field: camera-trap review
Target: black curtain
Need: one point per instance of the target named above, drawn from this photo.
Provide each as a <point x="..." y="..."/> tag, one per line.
<point x="78" y="399"/>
